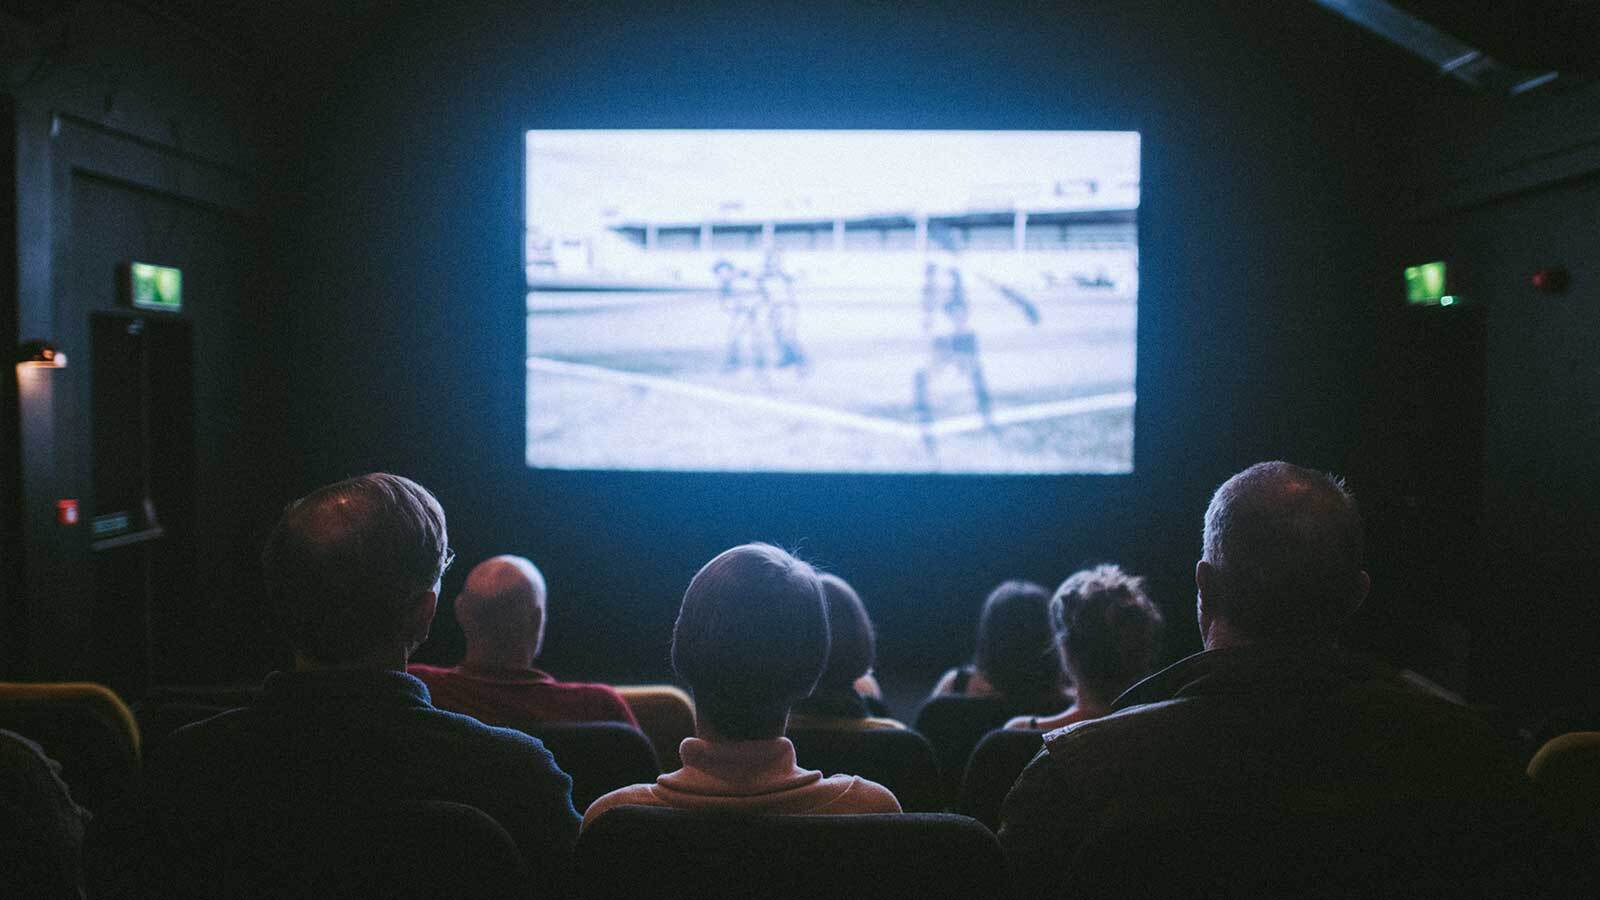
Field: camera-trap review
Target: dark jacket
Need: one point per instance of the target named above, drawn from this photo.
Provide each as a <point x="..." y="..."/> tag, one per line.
<point x="1247" y="734"/>
<point x="361" y="739"/>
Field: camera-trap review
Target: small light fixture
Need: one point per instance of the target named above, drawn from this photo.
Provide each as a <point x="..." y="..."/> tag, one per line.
<point x="40" y="355"/>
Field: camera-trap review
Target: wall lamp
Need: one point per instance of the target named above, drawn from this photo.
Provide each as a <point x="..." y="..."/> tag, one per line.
<point x="40" y="355"/>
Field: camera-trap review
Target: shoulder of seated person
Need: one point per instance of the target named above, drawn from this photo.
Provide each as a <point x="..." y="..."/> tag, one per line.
<point x="873" y="796"/>
<point x="891" y="803"/>
<point x="1112" y="733"/>
<point x="507" y="743"/>
<point x="883" y="723"/>
<point x="630" y="795"/>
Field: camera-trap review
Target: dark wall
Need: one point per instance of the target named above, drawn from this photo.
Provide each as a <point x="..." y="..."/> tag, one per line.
<point x="133" y="137"/>
<point x="1512" y="186"/>
<point x="12" y="547"/>
<point x="1268" y="176"/>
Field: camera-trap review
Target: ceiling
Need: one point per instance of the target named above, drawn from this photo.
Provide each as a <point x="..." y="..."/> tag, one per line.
<point x="1529" y="36"/>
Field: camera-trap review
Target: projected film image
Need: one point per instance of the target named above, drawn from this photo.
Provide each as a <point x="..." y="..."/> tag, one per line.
<point x="832" y="301"/>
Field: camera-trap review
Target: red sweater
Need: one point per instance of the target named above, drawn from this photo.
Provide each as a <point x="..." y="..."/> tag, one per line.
<point x="513" y="697"/>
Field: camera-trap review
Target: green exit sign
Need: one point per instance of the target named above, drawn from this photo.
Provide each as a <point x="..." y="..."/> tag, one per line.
<point x="1427" y="285"/>
<point x="155" y="287"/>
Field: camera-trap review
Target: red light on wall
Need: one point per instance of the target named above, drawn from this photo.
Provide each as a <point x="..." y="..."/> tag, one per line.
<point x="67" y="512"/>
<point x="1550" y="281"/>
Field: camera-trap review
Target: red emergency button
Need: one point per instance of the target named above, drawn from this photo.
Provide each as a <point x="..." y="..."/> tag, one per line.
<point x="67" y="512"/>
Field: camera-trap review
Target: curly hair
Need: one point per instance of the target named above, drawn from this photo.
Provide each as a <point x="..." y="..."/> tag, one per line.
<point x="1108" y="629"/>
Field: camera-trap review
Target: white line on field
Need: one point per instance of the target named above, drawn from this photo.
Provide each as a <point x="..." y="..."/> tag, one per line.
<point x="1035" y="411"/>
<point x="754" y="401"/>
<point x="956" y="425"/>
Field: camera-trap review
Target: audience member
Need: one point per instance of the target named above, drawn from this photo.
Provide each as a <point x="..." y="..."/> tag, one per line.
<point x="501" y="610"/>
<point x="1107" y="631"/>
<point x="1271" y="719"/>
<point x="352" y="577"/>
<point x="1016" y="659"/>
<point x="750" y="640"/>
<point x="41" y="852"/>
<point x="846" y="695"/>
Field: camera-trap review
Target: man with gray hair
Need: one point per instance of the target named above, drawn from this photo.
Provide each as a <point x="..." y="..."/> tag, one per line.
<point x="1270" y="727"/>
<point x="352" y="575"/>
<point x="501" y="610"/>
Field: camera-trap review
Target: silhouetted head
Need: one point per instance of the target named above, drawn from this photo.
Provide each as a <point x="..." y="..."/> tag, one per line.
<point x="352" y="570"/>
<point x="1108" y="631"/>
<point x="1282" y="558"/>
<point x="750" y="640"/>
<point x="851" y="639"/>
<point x="501" y="609"/>
<point x="1016" y="648"/>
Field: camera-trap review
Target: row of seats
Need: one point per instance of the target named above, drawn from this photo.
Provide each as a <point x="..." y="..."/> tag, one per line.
<point x="436" y="851"/>
<point x="97" y="739"/>
<point x="665" y="853"/>
<point x="439" y="851"/>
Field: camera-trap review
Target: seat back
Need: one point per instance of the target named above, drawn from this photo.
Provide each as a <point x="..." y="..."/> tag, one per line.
<point x="899" y="759"/>
<point x="995" y="764"/>
<point x="954" y="725"/>
<point x="85" y="727"/>
<point x="634" y="851"/>
<point x="430" y="850"/>
<point x="600" y="756"/>
<point x="1440" y="851"/>
<point x="665" y="715"/>
<point x="1566" y="770"/>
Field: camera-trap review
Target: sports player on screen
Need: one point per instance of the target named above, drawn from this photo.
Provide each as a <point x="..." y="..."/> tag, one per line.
<point x="946" y="317"/>
<point x="777" y="294"/>
<point x="744" y="317"/>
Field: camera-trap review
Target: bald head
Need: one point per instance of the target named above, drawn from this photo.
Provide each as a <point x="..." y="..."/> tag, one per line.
<point x="501" y="611"/>
<point x="1282" y="555"/>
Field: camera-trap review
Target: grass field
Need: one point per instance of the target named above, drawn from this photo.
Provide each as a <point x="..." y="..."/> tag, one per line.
<point x="637" y="380"/>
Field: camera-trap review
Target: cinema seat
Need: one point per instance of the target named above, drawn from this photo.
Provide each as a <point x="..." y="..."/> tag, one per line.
<point x="995" y="764"/>
<point x="1567" y="770"/>
<point x="1437" y="851"/>
<point x="600" y="756"/>
<point x="954" y="725"/>
<point x="83" y="726"/>
<point x="666" y="716"/>
<point x="635" y="852"/>
<point x="431" y="850"/>
<point x="899" y="759"/>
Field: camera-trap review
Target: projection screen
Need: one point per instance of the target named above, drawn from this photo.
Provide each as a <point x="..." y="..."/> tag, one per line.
<point x="832" y="301"/>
